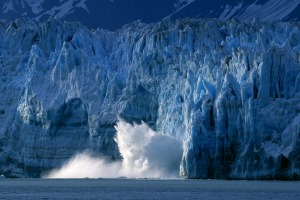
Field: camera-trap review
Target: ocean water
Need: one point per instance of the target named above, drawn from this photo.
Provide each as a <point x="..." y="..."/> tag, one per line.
<point x="145" y="189"/>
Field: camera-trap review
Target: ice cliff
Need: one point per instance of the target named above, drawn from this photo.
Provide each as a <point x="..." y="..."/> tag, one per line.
<point x="229" y="90"/>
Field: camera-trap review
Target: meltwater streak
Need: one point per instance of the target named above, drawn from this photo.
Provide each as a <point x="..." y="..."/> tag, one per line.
<point x="146" y="154"/>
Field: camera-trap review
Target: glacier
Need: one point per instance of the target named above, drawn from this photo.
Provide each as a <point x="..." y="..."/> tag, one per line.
<point x="228" y="90"/>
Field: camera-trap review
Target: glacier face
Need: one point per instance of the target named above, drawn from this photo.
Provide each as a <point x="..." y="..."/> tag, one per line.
<point x="229" y="90"/>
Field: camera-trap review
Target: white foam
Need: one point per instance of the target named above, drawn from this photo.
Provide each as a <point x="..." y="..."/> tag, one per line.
<point x="146" y="154"/>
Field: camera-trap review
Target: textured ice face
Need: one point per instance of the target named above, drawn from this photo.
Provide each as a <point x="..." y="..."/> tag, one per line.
<point x="230" y="91"/>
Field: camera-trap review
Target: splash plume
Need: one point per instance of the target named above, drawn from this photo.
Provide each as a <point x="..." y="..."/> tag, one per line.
<point x="146" y="154"/>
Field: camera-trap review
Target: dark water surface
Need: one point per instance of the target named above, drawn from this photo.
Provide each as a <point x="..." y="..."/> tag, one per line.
<point x="146" y="189"/>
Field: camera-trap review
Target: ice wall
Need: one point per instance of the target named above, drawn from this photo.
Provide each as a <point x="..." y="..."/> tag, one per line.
<point x="229" y="90"/>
